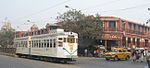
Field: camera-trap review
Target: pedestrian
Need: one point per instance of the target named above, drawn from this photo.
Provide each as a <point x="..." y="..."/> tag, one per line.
<point x="95" y="53"/>
<point x="145" y="52"/>
<point x="133" y="55"/>
<point x="148" y="58"/>
<point x="85" y="52"/>
<point x="137" y="54"/>
<point x="141" y="59"/>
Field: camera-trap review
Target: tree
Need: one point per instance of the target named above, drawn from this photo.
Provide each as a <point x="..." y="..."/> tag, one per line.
<point x="6" y="38"/>
<point x="88" y="27"/>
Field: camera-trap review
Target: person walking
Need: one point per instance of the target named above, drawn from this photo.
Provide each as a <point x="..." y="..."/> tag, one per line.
<point x="133" y="55"/>
<point x="141" y="59"/>
<point x="85" y="52"/>
<point x="148" y="58"/>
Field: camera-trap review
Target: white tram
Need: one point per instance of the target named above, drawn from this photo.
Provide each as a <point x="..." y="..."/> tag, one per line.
<point x="57" y="45"/>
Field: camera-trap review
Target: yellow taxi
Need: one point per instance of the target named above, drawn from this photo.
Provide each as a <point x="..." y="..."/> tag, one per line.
<point x="117" y="54"/>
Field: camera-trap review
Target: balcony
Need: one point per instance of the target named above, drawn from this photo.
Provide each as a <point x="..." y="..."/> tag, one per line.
<point x="111" y="29"/>
<point x="136" y="32"/>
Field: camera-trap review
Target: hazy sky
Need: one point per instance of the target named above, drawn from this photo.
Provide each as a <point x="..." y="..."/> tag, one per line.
<point x="45" y="11"/>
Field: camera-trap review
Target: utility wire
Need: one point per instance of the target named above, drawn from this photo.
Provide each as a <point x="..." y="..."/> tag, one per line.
<point x="128" y="8"/>
<point x="100" y="5"/>
<point x="45" y="9"/>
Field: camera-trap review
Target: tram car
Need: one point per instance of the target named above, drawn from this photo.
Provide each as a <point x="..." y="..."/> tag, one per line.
<point x="56" y="45"/>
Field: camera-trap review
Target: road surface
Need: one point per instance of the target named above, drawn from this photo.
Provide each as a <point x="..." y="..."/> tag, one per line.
<point x="82" y="62"/>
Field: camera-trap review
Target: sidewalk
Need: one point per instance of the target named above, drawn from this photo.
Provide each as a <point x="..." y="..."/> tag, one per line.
<point x="7" y="54"/>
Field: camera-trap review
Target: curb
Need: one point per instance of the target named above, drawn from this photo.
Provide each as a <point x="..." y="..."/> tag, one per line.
<point x="7" y="54"/>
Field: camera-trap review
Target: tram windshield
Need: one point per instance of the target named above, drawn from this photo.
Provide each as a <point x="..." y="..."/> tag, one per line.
<point x="71" y="40"/>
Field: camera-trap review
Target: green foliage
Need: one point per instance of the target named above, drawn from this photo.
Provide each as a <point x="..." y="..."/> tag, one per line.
<point x="87" y="26"/>
<point x="6" y="38"/>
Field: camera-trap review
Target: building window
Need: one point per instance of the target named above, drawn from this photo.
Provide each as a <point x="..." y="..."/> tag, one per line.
<point x="139" y="27"/>
<point x="123" y="25"/>
<point x="146" y="43"/>
<point x="64" y="39"/>
<point x="112" y="24"/>
<point x="130" y="27"/>
<point x="134" y="27"/>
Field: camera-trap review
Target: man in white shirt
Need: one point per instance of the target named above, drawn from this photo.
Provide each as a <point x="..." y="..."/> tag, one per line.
<point x="148" y="58"/>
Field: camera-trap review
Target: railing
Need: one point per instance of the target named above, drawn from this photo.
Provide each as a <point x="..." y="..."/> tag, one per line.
<point x="8" y="50"/>
<point x="111" y="29"/>
<point x="127" y="31"/>
<point x="136" y="32"/>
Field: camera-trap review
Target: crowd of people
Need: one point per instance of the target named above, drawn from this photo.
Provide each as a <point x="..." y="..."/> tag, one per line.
<point x="140" y="55"/>
<point x="137" y="55"/>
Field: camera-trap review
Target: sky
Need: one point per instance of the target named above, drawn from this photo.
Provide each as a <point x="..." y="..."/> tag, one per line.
<point x="45" y="11"/>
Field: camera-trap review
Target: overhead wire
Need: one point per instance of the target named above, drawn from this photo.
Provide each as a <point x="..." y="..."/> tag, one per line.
<point x="44" y="9"/>
<point x="100" y="5"/>
<point x="138" y="6"/>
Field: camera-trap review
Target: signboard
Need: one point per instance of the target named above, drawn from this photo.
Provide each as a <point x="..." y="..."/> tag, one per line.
<point x="111" y="36"/>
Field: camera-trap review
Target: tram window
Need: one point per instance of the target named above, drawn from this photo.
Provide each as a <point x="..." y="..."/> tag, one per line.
<point x="32" y="43"/>
<point x="36" y="43"/>
<point x="59" y="38"/>
<point x="39" y="45"/>
<point x="64" y="39"/>
<point x="47" y="43"/>
<point x="76" y="40"/>
<point x="26" y="44"/>
<point x="29" y="43"/>
<point x="54" y="44"/>
<point x="21" y="43"/>
<point x="71" y="40"/>
<point x="60" y="44"/>
<point x="68" y="39"/>
<point x="50" y="44"/>
<point x="42" y="44"/>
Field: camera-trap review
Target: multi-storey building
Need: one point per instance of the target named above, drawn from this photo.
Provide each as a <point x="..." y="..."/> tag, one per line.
<point x="35" y="31"/>
<point x="118" y="32"/>
<point x="7" y="26"/>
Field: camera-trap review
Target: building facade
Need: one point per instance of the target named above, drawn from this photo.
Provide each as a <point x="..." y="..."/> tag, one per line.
<point x="7" y="26"/>
<point x="35" y="31"/>
<point x="118" y="32"/>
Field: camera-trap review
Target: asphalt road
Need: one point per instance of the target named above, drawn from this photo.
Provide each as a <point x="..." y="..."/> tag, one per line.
<point x="82" y="62"/>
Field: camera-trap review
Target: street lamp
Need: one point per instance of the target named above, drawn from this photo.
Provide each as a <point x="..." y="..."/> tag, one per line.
<point x="66" y="6"/>
<point x="148" y="19"/>
<point x="30" y="21"/>
<point x="148" y="9"/>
